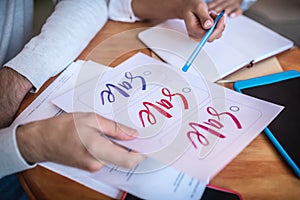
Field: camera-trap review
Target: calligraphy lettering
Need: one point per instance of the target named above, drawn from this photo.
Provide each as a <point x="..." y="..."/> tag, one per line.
<point x="163" y="103"/>
<point x="122" y="88"/>
<point x="212" y="123"/>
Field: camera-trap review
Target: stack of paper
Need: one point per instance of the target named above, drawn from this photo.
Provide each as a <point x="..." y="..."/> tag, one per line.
<point x="188" y="128"/>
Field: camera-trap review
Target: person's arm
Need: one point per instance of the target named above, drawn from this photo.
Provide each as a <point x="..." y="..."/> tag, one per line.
<point x="78" y="139"/>
<point x="64" y="35"/>
<point x="194" y="12"/>
<point x="11" y="158"/>
<point x="13" y="88"/>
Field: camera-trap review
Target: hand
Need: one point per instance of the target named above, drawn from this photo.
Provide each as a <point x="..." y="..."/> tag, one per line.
<point x="194" y="12"/>
<point x="13" y="88"/>
<point x="198" y="20"/>
<point x="232" y="7"/>
<point x="77" y="139"/>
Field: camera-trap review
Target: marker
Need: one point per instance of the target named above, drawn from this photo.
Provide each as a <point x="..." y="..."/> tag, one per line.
<point x="201" y="43"/>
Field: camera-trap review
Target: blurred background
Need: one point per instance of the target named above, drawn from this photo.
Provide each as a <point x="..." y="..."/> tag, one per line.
<point x="282" y="16"/>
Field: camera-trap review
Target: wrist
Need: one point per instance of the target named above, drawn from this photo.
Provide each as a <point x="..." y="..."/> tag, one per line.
<point x="22" y="84"/>
<point x="155" y="9"/>
<point x="29" y="143"/>
<point x="13" y="87"/>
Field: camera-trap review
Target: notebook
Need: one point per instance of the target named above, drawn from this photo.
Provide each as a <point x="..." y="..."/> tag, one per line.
<point x="243" y="43"/>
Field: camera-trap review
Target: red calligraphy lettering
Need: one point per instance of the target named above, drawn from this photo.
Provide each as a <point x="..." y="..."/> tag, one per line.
<point x="214" y="113"/>
<point x="163" y="103"/>
<point x="150" y="116"/>
<point x="200" y="137"/>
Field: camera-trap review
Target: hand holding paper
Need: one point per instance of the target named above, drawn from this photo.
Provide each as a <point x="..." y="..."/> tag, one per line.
<point x="78" y="140"/>
<point x="226" y="135"/>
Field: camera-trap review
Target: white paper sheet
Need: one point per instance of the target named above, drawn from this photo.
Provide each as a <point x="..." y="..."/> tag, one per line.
<point x="161" y="183"/>
<point x="109" y="181"/>
<point x="183" y="121"/>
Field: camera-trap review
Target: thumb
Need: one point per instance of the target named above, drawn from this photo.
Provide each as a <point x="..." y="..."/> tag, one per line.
<point x="203" y="16"/>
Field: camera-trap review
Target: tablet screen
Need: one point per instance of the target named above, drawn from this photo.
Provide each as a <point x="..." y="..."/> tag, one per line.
<point x="286" y="126"/>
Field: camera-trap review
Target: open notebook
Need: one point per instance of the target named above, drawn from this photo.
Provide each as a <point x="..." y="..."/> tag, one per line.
<point x="244" y="42"/>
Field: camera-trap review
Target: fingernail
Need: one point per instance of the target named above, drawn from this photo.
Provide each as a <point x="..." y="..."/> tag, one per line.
<point x="232" y="15"/>
<point x="207" y="24"/>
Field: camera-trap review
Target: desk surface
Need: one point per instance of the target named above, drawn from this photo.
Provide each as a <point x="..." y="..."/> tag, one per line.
<point x="258" y="172"/>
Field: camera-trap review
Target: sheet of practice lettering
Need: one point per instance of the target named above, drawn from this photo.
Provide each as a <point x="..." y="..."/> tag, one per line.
<point x="183" y="121"/>
<point x="109" y="180"/>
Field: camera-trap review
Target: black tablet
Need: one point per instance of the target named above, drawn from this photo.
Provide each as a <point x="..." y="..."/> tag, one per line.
<point x="284" y="131"/>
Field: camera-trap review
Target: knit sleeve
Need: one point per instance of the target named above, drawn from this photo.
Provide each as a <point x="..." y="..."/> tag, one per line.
<point x="63" y="37"/>
<point x="121" y="10"/>
<point x="11" y="159"/>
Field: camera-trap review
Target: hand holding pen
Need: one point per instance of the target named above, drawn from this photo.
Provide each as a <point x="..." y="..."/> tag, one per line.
<point x="195" y="13"/>
<point x="198" y="19"/>
<point x="205" y="38"/>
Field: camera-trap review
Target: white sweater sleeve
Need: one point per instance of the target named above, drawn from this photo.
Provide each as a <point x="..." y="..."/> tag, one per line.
<point x="64" y="35"/>
<point x="121" y="10"/>
<point x="10" y="156"/>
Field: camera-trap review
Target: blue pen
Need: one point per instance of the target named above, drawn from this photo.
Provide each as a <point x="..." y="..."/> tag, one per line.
<point x="201" y="43"/>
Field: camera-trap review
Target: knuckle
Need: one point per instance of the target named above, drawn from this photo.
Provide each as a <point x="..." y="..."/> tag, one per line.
<point x="93" y="167"/>
<point x="200" y="5"/>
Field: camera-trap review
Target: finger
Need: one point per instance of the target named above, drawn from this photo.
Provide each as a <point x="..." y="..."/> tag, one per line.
<point x="201" y="11"/>
<point x="218" y="36"/>
<point x="218" y="30"/>
<point x="115" y="130"/>
<point x="90" y="164"/>
<point x="235" y="13"/>
<point x="194" y="27"/>
<point x="224" y="5"/>
<point x="213" y="4"/>
<point x="229" y="6"/>
<point x="198" y="21"/>
<point x="106" y="151"/>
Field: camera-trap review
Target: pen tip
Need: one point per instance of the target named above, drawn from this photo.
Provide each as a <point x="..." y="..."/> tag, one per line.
<point x="185" y="68"/>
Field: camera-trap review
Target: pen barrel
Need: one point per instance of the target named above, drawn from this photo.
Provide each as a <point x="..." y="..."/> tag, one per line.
<point x="201" y="43"/>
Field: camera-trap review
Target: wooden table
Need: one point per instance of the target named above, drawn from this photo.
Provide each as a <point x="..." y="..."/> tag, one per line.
<point x="258" y="172"/>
